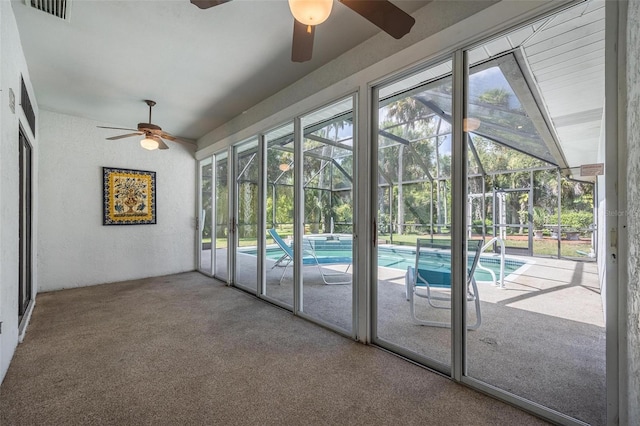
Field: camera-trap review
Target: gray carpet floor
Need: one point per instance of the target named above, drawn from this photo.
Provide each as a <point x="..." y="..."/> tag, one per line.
<point x="540" y="336"/>
<point x="184" y="349"/>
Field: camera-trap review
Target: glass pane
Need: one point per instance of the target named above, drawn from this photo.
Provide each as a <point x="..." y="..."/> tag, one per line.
<point x="279" y="194"/>
<point x="247" y="203"/>
<point x="570" y="234"/>
<point x="328" y="212"/>
<point x="542" y="335"/>
<point x="512" y="223"/>
<point x="414" y="216"/>
<point x="503" y="109"/>
<point x="206" y="215"/>
<point x="222" y="217"/>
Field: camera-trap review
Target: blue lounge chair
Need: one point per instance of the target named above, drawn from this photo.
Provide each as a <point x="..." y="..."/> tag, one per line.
<point x="431" y="278"/>
<point x="311" y="258"/>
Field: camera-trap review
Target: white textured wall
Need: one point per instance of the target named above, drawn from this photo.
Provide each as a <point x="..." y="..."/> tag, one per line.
<point x="75" y="248"/>
<point x="12" y="65"/>
<point x="633" y="208"/>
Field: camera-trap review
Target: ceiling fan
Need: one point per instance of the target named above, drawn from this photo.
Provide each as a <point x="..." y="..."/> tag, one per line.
<point x="309" y="13"/>
<point x="153" y="135"/>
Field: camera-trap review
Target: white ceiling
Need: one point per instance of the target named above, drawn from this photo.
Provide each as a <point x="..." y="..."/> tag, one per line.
<point x="202" y="67"/>
<point x="565" y="56"/>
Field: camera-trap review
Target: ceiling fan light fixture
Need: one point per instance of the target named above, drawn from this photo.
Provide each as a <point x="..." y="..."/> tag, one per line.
<point x="150" y="143"/>
<point x="310" y="12"/>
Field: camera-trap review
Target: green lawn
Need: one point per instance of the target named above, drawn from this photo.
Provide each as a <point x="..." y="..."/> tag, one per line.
<point x="544" y="247"/>
<point x="222" y="242"/>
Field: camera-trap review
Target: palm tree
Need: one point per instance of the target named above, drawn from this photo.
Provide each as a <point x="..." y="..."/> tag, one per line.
<point x="407" y="110"/>
<point x="497" y="97"/>
<point x="416" y="117"/>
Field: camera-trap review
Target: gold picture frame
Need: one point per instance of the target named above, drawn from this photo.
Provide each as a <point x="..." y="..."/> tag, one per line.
<point x="129" y="197"/>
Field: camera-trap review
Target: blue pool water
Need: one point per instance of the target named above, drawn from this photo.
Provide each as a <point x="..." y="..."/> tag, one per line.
<point x="401" y="258"/>
<point x="398" y="258"/>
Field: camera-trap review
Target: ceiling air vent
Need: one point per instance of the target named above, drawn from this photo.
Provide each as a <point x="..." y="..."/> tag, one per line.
<point x="57" y="8"/>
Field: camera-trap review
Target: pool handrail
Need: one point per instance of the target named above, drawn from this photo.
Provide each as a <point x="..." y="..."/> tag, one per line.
<point x="499" y="240"/>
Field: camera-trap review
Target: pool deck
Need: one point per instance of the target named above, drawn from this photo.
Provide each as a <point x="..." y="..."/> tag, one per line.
<point x="559" y="288"/>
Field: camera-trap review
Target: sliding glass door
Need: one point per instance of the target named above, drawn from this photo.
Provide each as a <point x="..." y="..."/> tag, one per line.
<point x="414" y="215"/>
<point x="533" y="113"/>
<point x="246" y="176"/>
<point x="485" y="260"/>
<point x="220" y="237"/>
<point x="213" y="219"/>
<point x="279" y="176"/>
<point x="279" y="190"/>
<point x="206" y="219"/>
<point x="327" y="197"/>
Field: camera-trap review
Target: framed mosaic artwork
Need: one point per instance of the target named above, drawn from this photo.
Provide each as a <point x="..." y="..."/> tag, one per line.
<point x="129" y="197"/>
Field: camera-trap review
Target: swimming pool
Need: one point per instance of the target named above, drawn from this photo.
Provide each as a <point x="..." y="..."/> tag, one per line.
<point x="396" y="257"/>
<point x="401" y="258"/>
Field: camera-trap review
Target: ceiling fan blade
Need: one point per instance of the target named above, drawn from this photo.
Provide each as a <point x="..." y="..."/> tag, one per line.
<point x="168" y="137"/>
<point x="117" y="128"/>
<point x="206" y="4"/>
<point x="171" y="138"/>
<point x="161" y="144"/>
<point x="302" y="47"/>
<point x="113" y="138"/>
<point x="384" y="14"/>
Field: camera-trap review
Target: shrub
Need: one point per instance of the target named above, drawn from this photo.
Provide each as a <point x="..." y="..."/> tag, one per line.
<point x="576" y="219"/>
<point x="540" y="217"/>
<point x="476" y="226"/>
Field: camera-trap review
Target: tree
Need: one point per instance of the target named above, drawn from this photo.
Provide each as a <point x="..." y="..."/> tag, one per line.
<point x="414" y="122"/>
<point x="496" y="97"/>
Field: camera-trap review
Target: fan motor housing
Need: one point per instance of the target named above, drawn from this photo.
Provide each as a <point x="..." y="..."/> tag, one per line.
<point x="148" y="126"/>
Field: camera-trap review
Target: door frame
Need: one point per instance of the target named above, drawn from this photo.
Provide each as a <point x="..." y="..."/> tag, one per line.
<point x="200" y="218"/>
<point x="25" y="226"/>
